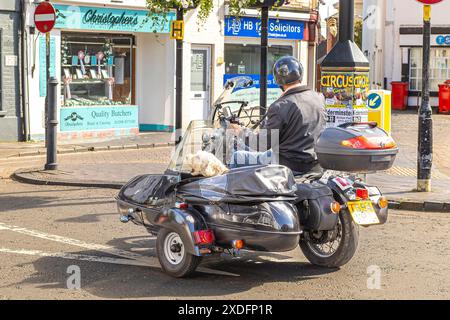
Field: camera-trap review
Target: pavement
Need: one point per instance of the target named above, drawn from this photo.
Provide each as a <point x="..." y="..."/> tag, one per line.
<point x="112" y="163"/>
<point x="53" y="238"/>
<point x="36" y="148"/>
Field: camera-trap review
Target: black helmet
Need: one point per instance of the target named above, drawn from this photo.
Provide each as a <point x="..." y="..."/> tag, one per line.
<point x="287" y="70"/>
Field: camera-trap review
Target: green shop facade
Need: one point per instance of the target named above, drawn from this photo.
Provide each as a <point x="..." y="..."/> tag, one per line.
<point x="115" y="71"/>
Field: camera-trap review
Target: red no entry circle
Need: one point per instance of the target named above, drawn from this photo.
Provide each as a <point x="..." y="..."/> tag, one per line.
<point x="45" y="17"/>
<point x="429" y="1"/>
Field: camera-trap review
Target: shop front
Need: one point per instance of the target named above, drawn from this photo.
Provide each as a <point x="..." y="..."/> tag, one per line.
<point x="411" y="45"/>
<point x="242" y="51"/>
<point x="98" y="56"/>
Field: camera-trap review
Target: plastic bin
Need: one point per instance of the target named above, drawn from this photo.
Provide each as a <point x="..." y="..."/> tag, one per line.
<point x="399" y="95"/>
<point x="444" y="97"/>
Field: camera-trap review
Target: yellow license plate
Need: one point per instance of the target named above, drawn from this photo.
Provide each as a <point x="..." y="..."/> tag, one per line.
<point x="363" y="213"/>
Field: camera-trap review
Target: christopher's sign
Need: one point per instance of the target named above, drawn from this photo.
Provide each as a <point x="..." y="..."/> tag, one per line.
<point x="108" y="19"/>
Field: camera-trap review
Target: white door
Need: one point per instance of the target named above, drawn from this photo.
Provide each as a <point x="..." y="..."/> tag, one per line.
<point x="200" y="82"/>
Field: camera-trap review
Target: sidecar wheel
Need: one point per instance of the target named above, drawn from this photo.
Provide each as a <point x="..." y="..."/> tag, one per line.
<point x="174" y="259"/>
<point x="336" y="252"/>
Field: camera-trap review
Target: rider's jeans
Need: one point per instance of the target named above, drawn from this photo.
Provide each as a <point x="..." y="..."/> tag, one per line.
<point x="250" y="158"/>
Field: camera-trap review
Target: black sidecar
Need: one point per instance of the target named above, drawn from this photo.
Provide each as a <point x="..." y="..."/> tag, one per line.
<point x="193" y="217"/>
<point x="243" y="204"/>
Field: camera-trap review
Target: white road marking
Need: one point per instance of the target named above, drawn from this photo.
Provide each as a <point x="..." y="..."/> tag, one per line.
<point x="72" y="256"/>
<point x="77" y="243"/>
<point x="135" y="259"/>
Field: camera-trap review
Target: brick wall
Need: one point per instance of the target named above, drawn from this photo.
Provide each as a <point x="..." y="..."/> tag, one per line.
<point x="10" y="127"/>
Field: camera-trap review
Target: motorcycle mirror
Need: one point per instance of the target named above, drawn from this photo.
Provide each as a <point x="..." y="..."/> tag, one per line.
<point x="226" y="111"/>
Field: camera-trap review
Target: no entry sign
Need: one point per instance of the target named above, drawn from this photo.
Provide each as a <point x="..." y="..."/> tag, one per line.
<point x="45" y="17"/>
<point x="430" y="1"/>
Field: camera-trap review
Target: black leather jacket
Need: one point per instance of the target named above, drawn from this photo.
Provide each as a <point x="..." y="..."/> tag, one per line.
<point x="300" y="117"/>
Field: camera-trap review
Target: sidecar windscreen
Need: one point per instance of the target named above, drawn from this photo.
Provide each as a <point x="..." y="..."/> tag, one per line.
<point x="192" y="142"/>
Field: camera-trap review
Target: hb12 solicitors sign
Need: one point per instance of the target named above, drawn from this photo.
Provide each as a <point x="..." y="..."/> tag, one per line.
<point x="346" y="96"/>
<point x="250" y="27"/>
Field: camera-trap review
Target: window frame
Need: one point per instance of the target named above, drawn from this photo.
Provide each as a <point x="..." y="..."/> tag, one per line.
<point x="433" y="59"/>
<point x="295" y="45"/>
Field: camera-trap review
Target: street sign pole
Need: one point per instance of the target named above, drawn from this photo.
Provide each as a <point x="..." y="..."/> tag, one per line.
<point x="179" y="84"/>
<point x="425" y="147"/>
<point x="44" y="19"/>
<point x="264" y="51"/>
<point x="50" y="115"/>
<point x="47" y="77"/>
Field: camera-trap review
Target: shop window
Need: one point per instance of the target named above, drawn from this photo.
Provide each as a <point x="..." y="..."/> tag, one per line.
<point x="97" y="70"/>
<point x="439" y="68"/>
<point x="244" y="59"/>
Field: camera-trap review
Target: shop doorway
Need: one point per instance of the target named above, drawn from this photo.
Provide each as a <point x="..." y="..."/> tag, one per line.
<point x="200" y="96"/>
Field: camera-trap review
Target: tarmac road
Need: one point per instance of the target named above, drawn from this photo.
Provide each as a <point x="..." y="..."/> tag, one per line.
<point x="46" y="231"/>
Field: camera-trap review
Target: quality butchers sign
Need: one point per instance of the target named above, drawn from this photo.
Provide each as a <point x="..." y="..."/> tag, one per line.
<point x="98" y="118"/>
<point x="108" y="19"/>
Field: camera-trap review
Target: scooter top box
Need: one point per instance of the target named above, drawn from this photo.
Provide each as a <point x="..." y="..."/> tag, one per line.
<point x="356" y="147"/>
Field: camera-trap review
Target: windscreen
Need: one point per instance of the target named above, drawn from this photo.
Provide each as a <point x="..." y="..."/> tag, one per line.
<point x="191" y="143"/>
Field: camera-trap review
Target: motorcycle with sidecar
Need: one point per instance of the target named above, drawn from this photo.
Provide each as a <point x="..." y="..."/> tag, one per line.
<point x="264" y="208"/>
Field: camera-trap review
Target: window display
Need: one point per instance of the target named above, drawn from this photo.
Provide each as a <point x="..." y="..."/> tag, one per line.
<point x="96" y="70"/>
<point x="244" y="59"/>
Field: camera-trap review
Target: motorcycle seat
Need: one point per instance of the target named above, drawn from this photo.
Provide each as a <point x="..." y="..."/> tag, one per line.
<point x="309" y="176"/>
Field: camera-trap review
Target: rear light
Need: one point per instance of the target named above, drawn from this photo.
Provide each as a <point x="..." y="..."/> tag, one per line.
<point x="204" y="237"/>
<point x="383" y="202"/>
<point x="181" y="205"/>
<point x="362" y="194"/>
<point x="374" y="143"/>
<point x="238" y="244"/>
<point x="335" y="207"/>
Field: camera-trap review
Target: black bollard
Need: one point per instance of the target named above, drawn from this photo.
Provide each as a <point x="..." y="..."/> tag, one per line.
<point x="52" y="124"/>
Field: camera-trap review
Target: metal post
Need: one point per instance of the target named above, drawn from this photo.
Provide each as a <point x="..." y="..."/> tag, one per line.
<point x="264" y="51"/>
<point x="425" y="150"/>
<point x="52" y="124"/>
<point x="346" y="20"/>
<point x="47" y="77"/>
<point x="179" y="85"/>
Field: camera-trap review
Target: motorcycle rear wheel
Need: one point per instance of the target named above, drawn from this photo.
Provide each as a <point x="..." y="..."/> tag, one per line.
<point x="337" y="252"/>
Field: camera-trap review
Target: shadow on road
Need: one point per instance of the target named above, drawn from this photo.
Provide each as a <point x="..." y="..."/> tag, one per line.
<point x="113" y="281"/>
<point x="86" y="218"/>
<point x="22" y="201"/>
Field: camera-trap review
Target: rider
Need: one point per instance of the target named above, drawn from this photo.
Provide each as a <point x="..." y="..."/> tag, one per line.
<point x="299" y="116"/>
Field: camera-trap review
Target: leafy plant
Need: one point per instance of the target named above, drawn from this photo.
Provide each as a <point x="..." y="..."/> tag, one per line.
<point x="358" y="32"/>
<point x="238" y="6"/>
<point x="205" y="7"/>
